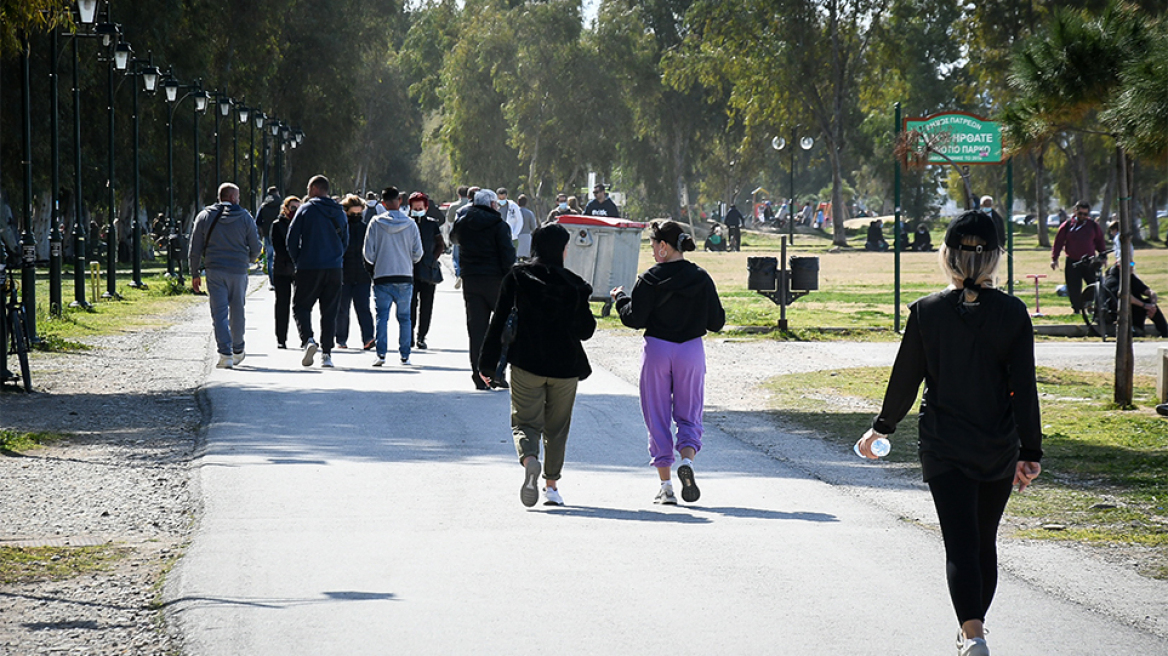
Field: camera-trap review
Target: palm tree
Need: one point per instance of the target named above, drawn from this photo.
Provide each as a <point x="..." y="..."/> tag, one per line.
<point x="1076" y="69"/>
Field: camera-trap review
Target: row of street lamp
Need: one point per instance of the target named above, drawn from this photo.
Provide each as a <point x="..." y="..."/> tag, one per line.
<point x="119" y="56"/>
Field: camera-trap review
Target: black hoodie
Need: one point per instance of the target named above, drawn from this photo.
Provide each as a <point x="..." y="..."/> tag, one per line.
<point x="484" y="241"/>
<point x="554" y="316"/>
<point x="674" y="301"/>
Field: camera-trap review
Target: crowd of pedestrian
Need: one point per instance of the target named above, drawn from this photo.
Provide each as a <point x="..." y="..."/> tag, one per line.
<point x="525" y="311"/>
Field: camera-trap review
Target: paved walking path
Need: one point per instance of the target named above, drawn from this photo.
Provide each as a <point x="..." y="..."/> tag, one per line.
<point x="367" y="511"/>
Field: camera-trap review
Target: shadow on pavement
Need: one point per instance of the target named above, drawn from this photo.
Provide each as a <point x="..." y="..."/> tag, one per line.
<point x="626" y="515"/>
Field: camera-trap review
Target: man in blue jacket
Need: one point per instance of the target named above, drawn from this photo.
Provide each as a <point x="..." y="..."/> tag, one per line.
<point x="317" y="239"/>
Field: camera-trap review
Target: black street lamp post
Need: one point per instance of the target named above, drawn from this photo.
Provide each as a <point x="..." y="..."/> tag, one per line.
<point x="257" y="121"/>
<point x="27" y="241"/>
<point x="172" y="87"/>
<point x="146" y="70"/>
<point x="119" y="60"/>
<point x="55" y="237"/>
<point x="224" y="104"/>
<point x="79" y="227"/>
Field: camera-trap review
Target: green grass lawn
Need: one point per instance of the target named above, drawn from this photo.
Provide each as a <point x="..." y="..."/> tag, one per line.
<point x="30" y="564"/>
<point x="1105" y="470"/>
<point x="140" y="308"/>
<point x="857" y="289"/>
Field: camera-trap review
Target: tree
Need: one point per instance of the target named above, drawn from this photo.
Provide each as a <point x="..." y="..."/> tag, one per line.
<point x="809" y="70"/>
<point x="1073" y="68"/>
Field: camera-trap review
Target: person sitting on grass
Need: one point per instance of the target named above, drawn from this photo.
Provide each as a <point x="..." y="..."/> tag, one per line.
<point x="876" y="240"/>
<point x="1143" y="301"/>
<point x="715" y="242"/>
<point x="922" y="240"/>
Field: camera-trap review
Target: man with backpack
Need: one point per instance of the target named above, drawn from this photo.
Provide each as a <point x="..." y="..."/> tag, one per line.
<point x="224" y="241"/>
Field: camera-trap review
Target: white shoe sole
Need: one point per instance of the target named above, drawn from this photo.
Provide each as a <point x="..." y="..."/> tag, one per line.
<point x="309" y="354"/>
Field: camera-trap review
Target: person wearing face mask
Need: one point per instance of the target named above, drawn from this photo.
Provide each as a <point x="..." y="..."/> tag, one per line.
<point x="560" y="209"/>
<point x="356" y="283"/>
<point x="427" y="271"/>
<point x="987" y="207"/>
<point x="676" y="302"/>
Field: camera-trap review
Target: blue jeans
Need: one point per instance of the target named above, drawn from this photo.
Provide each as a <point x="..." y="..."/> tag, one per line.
<point x="386" y="294"/>
<point x="269" y="262"/>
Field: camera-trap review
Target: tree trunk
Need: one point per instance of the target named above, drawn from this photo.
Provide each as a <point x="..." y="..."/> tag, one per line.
<point x="839" y="233"/>
<point x="1124" y="358"/>
<point x="1108" y="196"/>
<point x="1039" y="160"/>
<point x="1082" y="181"/>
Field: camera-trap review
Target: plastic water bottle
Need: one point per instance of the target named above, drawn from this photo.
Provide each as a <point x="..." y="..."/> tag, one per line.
<point x="880" y="447"/>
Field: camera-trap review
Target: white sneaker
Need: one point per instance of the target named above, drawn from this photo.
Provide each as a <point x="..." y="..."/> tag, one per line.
<point x="309" y="352"/>
<point x="551" y="497"/>
<point x="379" y="361"/>
<point x="665" y="496"/>
<point x="406" y="362"/>
<point x="971" y="646"/>
<point x="225" y="362"/>
<point x="326" y="360"/>
<point x="238" y="357"/>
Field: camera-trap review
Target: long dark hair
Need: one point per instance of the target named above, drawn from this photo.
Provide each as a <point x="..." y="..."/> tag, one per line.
<point x="671" y="232"/>
<point x="548" y="243"/>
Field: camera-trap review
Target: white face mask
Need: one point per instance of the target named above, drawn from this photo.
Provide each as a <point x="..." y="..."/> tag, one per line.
<point x="417" y="213"/>
<point x="564" y="205"/>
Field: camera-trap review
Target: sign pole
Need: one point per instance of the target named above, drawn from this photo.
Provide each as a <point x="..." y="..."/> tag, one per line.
<point x="1010" y="224"/>
<point x="896" y="232"/>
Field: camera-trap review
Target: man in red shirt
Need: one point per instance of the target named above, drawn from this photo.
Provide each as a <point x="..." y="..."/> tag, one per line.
<point x="1082" y="237"/>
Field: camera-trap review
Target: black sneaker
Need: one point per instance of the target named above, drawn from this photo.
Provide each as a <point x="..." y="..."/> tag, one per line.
<point x="529" y="493"/>
<point x="500" y="383"/>
<point x="689" y="488"/>
<point x="421" y="344"/>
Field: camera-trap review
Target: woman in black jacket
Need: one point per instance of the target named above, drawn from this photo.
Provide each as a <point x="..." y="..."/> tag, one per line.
<point x="547" y="360"/>
<point x="980" y="431"/>
<point x="283" y="270"/>
<point x="357" y="285"/>
<point x="427" y="271"/>
<point x="676" y="302"/>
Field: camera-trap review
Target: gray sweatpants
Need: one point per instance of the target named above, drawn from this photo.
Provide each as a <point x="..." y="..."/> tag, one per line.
<point x="226" y="292"/>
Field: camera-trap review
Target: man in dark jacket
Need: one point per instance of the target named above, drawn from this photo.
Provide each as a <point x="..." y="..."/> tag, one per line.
<point x="224" y="241"/>
<point x="733" y="223"/>
<point x="486" y="254"/>
<point x="427" y="271"/>
<point x="601" y="204"/>
<point x="269" y="210"/>
<point x="317" y="239"/>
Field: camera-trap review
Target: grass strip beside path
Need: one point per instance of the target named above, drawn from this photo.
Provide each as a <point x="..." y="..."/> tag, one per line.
<point x="31" y="564"/>
<point x="1105" y="470"/>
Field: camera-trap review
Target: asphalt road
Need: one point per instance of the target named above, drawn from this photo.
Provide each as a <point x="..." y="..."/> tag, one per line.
<point x="376" y="511"/>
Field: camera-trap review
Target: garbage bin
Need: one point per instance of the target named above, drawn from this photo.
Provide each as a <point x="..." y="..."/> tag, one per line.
<point x="805" y="273"/>
<point x="604" y="252"/>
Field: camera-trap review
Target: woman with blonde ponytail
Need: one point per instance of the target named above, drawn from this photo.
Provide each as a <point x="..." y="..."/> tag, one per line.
<point x="980" y="431"/>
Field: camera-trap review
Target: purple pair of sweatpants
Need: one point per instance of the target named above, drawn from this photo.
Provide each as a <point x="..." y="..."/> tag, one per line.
<point x="672" y="392"/>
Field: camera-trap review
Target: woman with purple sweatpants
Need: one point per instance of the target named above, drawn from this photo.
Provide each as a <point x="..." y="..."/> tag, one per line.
<point x="676" y="303"/>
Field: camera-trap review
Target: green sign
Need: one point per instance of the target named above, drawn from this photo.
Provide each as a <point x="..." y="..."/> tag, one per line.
<point x="963" y="138"/>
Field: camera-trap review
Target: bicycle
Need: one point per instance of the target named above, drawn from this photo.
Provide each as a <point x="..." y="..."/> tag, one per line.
<point x="1096" y="311"/>
<point x="13" y="337"/>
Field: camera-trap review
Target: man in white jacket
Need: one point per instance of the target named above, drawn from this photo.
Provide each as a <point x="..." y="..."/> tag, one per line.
<point x="509" y="210"/>
<point x="392" y="246"/>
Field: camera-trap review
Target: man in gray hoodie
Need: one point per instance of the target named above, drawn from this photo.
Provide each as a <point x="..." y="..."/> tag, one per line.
<point x="393" y="245"/>
<point x="224" y="241"/>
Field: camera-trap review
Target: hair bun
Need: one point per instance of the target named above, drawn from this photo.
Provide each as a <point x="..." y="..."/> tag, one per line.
<point x="685" y="242"/>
